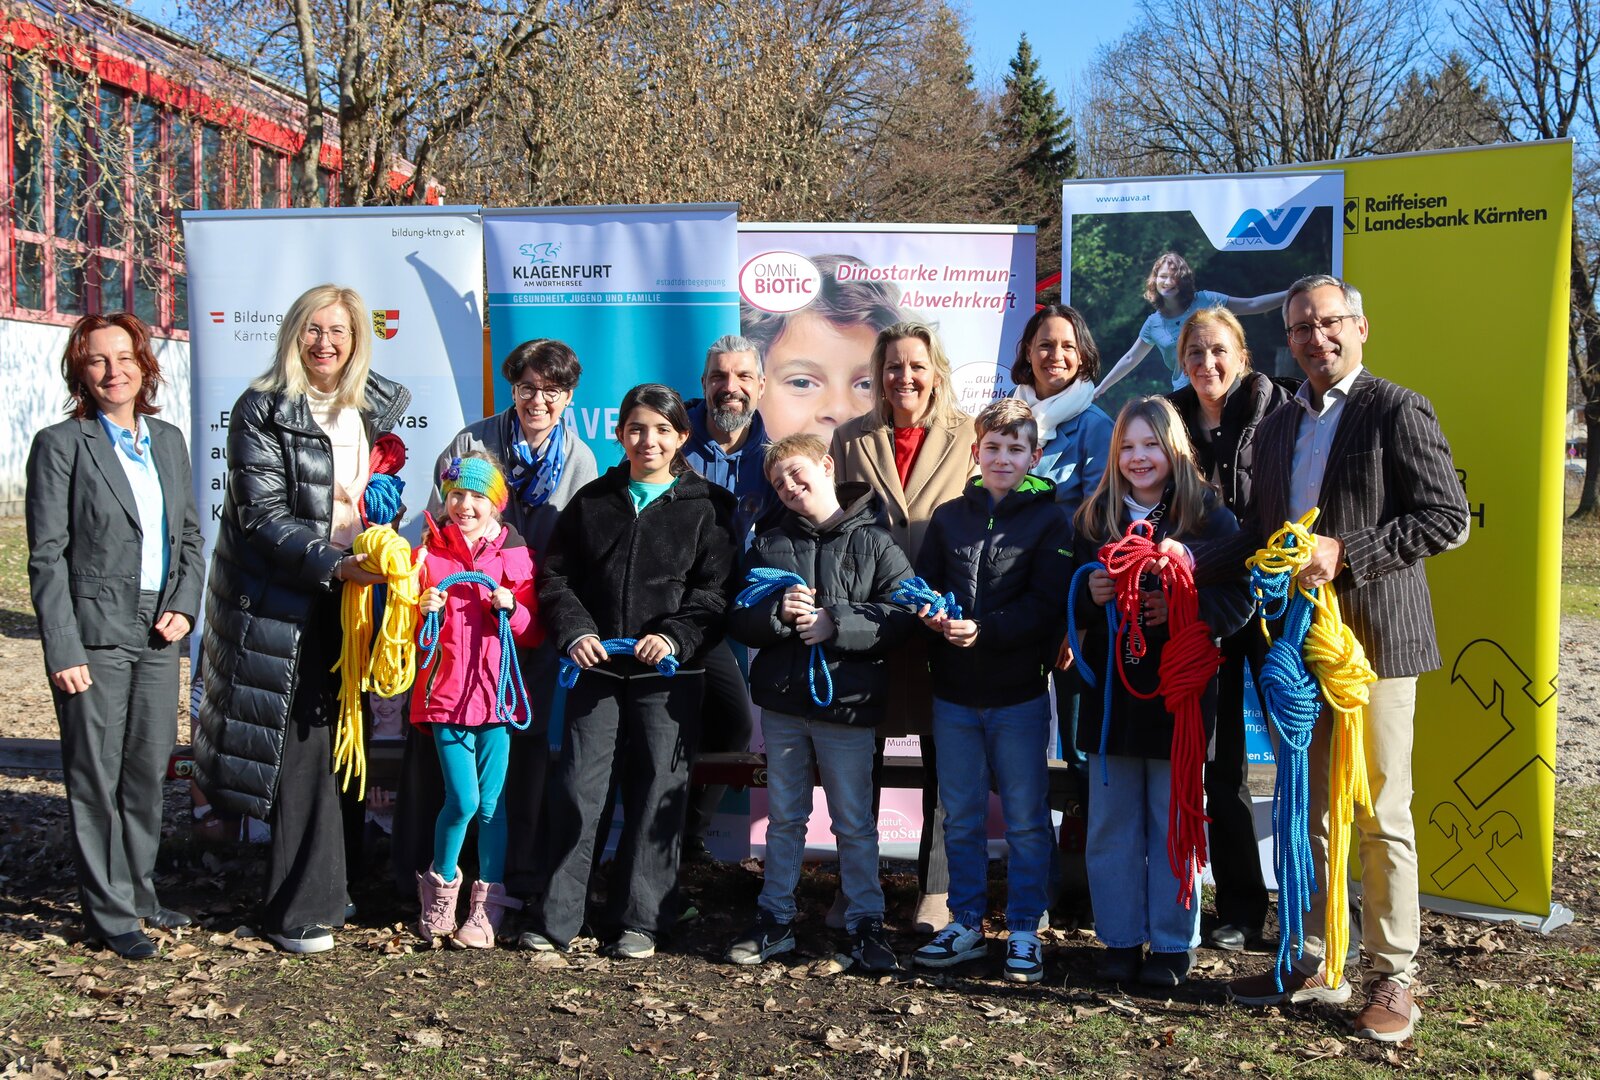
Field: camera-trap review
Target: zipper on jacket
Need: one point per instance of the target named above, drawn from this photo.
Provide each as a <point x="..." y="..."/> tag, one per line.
<point x="983" y="558"/>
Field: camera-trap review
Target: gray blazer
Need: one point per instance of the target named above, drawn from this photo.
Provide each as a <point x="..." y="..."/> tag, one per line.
<point x="84" y="538"/>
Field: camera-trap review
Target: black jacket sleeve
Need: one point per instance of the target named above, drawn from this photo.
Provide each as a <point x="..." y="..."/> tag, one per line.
<point x="258" y="486"/>
<point x="565" y="618"/>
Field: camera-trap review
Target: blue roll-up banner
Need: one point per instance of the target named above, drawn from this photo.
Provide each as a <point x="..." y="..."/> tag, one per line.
<point x="639" y="292"/>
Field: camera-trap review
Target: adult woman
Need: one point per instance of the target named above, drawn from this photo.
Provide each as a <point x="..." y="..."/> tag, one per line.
<point x="298" y="447"/>
<point x="915" y="449"/>
<point x="817" y="360"/>
<point x="114" y="567"/>
<point x="1222" y="406"/>
<point x="546" y="463"/>
<point x="1055" y="370"/>
<point x="1170" y="289"/>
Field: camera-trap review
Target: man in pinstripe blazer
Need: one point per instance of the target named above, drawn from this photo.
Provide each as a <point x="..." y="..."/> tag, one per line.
<point x="1369" y="453"/>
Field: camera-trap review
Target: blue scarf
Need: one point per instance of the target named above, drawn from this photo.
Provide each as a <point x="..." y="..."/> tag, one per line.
<point x="535" y="476"/>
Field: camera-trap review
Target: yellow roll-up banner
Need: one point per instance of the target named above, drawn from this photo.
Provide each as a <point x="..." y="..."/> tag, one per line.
<point x="1463" y="259"/>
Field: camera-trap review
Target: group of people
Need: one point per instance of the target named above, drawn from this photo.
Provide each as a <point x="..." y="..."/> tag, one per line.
<point x="911" y="575"/>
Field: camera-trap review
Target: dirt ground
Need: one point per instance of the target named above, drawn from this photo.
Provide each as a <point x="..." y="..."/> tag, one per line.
<point x="1498" y="1001"/>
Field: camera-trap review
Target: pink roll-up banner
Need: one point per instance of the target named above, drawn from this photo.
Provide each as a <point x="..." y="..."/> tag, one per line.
<point x="813" y="298"/>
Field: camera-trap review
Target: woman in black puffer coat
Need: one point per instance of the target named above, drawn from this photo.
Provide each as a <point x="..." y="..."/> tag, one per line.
<point x="1222" y="406"/>
<point x="299" y="442"/>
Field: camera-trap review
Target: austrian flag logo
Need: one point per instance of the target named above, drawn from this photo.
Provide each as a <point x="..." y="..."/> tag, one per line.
<point x="218" y="316"/>
<point x="385" y="322"/>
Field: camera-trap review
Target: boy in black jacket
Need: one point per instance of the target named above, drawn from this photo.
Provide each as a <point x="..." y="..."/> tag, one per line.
<point x="826" y="637"/>
<point x="1002" y="549"/>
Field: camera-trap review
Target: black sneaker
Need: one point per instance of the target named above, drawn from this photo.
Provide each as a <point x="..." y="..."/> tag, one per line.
<point x="872" y="951"/>
<point x="1166" y="969"/>
<point x="631" y="945"/>
<point x="1121" y="965"/>
<point x="765" y="939"/>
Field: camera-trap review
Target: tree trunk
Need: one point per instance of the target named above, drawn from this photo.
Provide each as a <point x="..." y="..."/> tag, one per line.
<point x="310" y="153"/>
<point x="1585" y="338"/>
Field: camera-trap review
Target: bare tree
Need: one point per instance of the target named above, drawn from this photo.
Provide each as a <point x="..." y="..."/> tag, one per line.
<point x="1449" y="106"/>
<point x="1540" y="56"/>
<point x="1204" y="87"/>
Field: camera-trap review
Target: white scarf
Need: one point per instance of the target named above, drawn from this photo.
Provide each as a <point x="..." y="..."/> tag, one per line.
<point x="1051" y="412"/>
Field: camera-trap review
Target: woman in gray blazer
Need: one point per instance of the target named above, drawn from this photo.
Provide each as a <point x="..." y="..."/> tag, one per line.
<point x="115" y="569"/>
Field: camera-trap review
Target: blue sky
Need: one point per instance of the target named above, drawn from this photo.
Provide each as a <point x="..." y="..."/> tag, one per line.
<point x="1065" y="35"/>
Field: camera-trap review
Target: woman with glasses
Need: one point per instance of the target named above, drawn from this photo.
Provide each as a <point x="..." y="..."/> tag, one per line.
<point x="299" y="444"/>
<point x="1171" y="290"/>
<point x="545" y="463"/>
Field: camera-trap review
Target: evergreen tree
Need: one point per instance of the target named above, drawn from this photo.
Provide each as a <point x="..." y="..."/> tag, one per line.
<point x="1036" y="138"/>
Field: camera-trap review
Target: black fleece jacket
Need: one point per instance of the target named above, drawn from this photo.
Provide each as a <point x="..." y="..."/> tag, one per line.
<point x="854" y="565"/>
<point x="667" y="569"/>
<point x="1009" y="567"/>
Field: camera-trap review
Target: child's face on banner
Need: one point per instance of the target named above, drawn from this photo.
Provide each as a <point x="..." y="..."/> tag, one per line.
<point x="819" y="375"/>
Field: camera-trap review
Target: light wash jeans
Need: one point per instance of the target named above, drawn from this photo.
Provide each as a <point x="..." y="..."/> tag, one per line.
<point x="1009" y="743"/>
<point x="843" y="755"/>
<point x="1130" y="880"/>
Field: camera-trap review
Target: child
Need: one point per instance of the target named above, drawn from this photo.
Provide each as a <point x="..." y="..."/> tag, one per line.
<point x="1130" y="878"/>
<point x="457" y="694"/>
<point x="645" y="552"/>
<point x="851" y="566"/>
<point x="998" y="548"/>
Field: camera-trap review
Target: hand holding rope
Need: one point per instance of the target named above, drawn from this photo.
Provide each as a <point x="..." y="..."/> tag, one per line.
<point x="509" y="687"/>
<point x="763" y="581"/>
<point x="917" y="594"/>
<point x="391" y="668"/>
<point x="568" y="671"/>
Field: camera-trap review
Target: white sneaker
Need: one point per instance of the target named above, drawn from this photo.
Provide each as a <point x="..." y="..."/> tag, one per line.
<point x="303" y="939"/>
<point x="952" y="945"/>
<point x="1024" y="957"/>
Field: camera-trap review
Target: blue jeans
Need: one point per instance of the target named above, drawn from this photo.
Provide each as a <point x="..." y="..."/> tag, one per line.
<point x="843" y="755"/>
<point x="473" y="760"/>
<point x="1008" y="741"/>
<point x="1130" y="879"/>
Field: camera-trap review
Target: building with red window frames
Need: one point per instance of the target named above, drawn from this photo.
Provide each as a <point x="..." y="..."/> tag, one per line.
<point x="113" y="126"/>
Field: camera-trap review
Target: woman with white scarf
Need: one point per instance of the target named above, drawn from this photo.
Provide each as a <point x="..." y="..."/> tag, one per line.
<point x="1055" y="372"/>
<point x="1056" y="367"/>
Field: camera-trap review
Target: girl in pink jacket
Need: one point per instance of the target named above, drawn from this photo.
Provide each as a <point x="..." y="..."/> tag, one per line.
<point x="456" y="695"/>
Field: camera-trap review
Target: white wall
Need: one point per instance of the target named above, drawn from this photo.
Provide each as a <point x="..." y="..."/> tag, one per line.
<point x="32" y="395"/>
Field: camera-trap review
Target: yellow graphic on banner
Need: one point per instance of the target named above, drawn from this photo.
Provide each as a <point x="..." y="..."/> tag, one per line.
<point x="1462" y="260"/>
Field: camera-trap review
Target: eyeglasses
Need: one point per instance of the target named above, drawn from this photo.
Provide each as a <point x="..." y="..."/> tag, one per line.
<point x="1331" y="327"/>
<point x="550" y="394"/>
<point x="335" y="334"/>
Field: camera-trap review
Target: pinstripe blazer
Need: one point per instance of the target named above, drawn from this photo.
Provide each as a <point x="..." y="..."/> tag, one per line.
<point x="1390" y="494"/>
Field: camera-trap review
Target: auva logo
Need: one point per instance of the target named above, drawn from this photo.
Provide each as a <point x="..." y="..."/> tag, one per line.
<point x="541" y="254"/>
<point x="1269" y="228"/>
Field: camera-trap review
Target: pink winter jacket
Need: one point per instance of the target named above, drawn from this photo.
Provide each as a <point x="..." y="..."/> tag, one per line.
<point x="459" y="686"/>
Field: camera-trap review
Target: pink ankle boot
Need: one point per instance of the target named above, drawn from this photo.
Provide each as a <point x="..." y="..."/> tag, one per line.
<point x="488" y="907"/>
<point x="438" y="898"/>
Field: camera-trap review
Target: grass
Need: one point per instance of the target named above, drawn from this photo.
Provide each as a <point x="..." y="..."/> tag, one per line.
<point x="16" y="608"/>
<point x="1580" y="568"/>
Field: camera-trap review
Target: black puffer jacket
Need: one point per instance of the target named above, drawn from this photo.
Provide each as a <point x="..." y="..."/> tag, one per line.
<point x="854" y="565"/>
<point x="668" y="569"/>
<point x="1228" y="457"/>
<point x="1009" y="567"/>
<point x="272" y="565"/>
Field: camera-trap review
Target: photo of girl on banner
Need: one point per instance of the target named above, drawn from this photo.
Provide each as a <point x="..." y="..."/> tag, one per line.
<point x="1124" y="264"/>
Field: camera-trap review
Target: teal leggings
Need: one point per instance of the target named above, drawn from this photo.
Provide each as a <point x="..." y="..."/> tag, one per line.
<point x="473" y="760"/>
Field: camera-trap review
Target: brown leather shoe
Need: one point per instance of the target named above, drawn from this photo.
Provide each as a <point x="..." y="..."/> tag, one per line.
<point x="1263" y="989"/>
<point x="1390" y="1013"/>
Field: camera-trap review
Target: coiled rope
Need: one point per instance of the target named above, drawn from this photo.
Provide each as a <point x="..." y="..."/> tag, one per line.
<point x="389" y="669"/>
<point x="762" y="582"/>
<point x="509" y="687"/>
<point x="918" y="594"/>
<point x="568" y="671"/>
<point x="1316" y="658"/>
<point x="1188" y="664"/>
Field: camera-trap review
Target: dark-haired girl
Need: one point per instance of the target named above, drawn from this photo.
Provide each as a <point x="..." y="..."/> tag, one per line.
<point x="114" y="567"/>
<point x="645" y="552"/>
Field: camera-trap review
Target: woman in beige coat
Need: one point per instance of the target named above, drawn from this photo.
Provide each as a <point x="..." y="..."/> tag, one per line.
<point x="915" y="448"/>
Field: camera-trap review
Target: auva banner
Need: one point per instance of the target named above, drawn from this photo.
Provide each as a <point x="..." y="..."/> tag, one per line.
<point x="639" y="292"/>
<point x="419" y="270"/>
